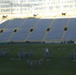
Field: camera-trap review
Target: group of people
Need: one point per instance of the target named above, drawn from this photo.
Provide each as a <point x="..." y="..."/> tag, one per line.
<point x="38" y="63"/>
<point x="26" y="55"/>
<point x="30" y="54"/>
<point x="31" y="62"/>
<point x="34" y="63"/>
<point x="4" y="53"/>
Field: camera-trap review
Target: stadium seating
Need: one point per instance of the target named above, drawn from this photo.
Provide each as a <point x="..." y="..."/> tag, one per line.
<point x="36" y="29"/>
<point x="39" y="30"/>
<point x="57" y="30"/>
<point x="8" y="27"/>
<point x="24" y="30"/>
<point x="15" y="23"/>
<point x="70" y="34"/>
<point x="3" y="25"/>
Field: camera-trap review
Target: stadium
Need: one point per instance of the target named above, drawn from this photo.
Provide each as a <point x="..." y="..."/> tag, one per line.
<point x="37" y="37"/>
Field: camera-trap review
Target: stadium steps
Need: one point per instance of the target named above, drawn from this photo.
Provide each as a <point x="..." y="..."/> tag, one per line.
<point x="31" y="32"/>
<point x="63" y="35"/>
<point x="48" y="31"/>
<point x="17" y="29"/>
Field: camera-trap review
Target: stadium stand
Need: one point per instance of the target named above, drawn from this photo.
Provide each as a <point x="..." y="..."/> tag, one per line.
<point x="4" y="24"/>
<point x="57" y="30"/>
<point x="9" y="27"/>
<point x="24" y="30"/>
<point x="38" y="30"/>
<point x="70" y="34"/>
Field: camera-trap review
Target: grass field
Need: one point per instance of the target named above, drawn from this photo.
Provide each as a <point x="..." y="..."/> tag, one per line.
<point x="60" y="63"/>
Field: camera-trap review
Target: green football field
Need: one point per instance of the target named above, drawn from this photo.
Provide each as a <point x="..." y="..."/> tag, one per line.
<point x="60" y="63"/>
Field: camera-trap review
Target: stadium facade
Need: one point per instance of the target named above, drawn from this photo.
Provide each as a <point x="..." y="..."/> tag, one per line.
<point x="38" y="7"/>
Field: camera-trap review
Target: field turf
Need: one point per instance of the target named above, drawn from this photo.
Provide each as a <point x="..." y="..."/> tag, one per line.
<point x="60" y="63"/>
